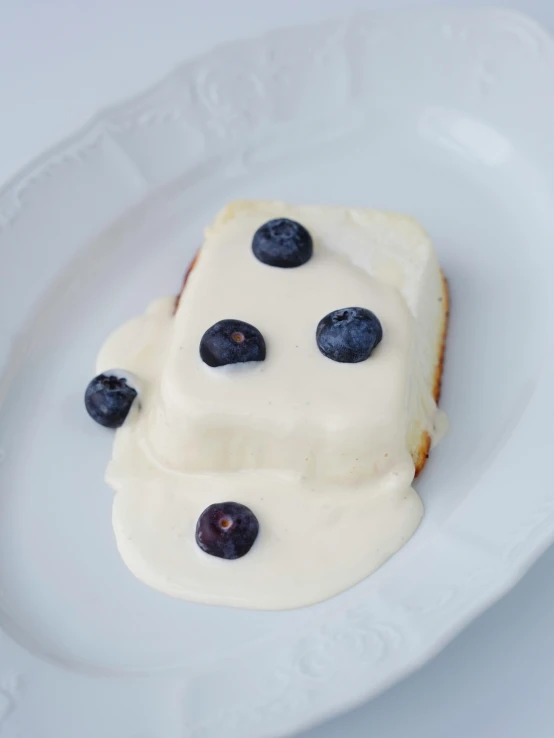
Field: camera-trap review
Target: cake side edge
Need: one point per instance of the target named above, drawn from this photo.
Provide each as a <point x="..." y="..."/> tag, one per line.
<point x="422" y="453"/>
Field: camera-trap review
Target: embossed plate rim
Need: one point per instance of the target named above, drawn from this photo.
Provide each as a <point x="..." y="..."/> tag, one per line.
<point x="282" y="708"/>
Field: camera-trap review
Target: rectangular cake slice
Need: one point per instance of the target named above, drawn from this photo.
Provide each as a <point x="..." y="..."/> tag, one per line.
<point x="298" y="411"/>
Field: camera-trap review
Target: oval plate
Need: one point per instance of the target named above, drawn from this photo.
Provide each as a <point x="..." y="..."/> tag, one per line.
<point x="441" y="114"/>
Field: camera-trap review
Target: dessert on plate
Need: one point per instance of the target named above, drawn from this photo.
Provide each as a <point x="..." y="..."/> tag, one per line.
<point x="271" y="420"/>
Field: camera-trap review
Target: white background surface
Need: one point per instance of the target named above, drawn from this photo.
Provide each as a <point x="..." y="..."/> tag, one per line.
<point x="62" y="60"/>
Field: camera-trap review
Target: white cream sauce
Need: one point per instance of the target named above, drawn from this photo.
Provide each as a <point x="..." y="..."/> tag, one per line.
<point x="318" y="450"/>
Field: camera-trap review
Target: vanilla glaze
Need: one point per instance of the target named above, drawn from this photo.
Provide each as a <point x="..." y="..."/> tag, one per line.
<point x="320" y="451"/>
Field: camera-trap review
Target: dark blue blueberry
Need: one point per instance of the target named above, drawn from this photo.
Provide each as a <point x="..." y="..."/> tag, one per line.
<point x="231" y="342"/>
<point x="108" y="398"/>
<point x="282" y="243"/>
<point x="349" y="335"/>
<point x="227" y="530"/>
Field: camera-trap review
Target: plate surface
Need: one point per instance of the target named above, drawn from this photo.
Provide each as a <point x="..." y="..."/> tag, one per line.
<point x="441" y="114"/>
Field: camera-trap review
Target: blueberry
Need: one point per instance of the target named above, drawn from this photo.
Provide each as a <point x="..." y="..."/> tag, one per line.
<point x="108" y="398"/>
<point x="282" y="243"/>
<point x="227" y="530"/>
<point x="231" y="342"/>
<point x="349" y="335"/>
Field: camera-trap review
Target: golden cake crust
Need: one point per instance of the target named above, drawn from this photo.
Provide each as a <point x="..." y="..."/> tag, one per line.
<point x="422" y="454"/>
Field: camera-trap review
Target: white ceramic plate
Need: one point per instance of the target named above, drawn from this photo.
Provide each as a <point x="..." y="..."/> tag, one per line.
<point x="446" y="115"/>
